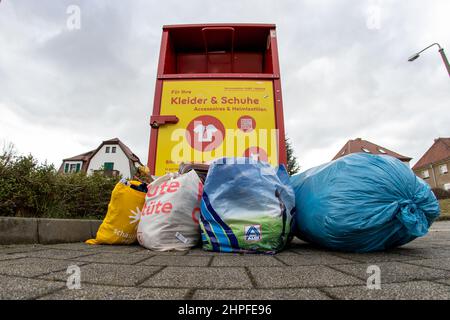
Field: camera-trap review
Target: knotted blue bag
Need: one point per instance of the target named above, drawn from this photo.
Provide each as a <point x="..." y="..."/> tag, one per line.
<point x="362" y="203"/>
<point x="247" y="206"/>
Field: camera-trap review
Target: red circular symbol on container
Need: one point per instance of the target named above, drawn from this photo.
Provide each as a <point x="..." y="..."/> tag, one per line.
<point x="257" y="154"/>
<point x="205" y="133"/>
<point x="246" y="123"/>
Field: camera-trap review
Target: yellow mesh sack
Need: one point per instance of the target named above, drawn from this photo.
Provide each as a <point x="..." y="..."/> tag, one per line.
<point x="122" y="219"/>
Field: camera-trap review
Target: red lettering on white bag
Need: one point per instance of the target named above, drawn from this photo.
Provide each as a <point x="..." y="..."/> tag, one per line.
<point x="154" y="207"/>
<point x="157" y="207"/>
<point x="194" y="217"/>
<point x="199" y="198"/>
<point x="163" y="188"/>
<point x="200" y="191"/>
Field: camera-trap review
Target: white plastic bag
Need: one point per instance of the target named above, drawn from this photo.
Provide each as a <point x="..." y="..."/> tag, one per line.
<point x="169" y="219"/>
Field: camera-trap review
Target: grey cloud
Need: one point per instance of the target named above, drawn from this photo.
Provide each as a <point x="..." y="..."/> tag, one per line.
<point x="340" y="79"/>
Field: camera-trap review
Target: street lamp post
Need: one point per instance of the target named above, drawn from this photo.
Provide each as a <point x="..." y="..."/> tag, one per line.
<point x="441" y="51"/>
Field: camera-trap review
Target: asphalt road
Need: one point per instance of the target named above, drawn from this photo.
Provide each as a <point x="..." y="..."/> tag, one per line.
<point x="418" y="270"/>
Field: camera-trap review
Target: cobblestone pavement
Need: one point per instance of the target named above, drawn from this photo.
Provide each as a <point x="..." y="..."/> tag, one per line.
<point x="418" y="270"/>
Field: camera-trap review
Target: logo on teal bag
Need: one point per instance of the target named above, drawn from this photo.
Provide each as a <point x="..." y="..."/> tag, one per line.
<point x="253" y="233"/>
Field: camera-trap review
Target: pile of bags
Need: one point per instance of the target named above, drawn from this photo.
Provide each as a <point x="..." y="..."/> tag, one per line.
<point x="362" y="203"/>
<point x="358" y="203"/>
<point x="247" y="206"/>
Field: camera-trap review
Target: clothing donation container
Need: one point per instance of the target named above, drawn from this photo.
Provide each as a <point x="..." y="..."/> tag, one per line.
<point x="218" y="94"/>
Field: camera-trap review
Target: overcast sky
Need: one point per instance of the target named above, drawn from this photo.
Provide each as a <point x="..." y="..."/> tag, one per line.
<point x="344" y="69"/>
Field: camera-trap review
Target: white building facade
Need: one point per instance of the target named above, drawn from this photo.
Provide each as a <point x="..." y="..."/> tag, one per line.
<point x="112" y="157"/>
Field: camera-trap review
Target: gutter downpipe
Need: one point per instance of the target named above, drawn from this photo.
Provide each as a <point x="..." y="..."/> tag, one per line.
<point x="434" y="176"/>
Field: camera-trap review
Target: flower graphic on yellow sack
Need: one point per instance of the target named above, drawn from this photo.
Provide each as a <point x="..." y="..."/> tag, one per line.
<point x="135" y="216"/>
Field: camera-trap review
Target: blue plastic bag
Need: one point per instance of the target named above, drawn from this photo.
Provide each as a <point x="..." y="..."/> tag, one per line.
<point x="247" y="206"/>
<point x="362" y="203"/>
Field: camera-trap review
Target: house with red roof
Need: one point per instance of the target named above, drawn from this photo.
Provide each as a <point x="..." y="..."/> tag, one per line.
<point x="360" y="145"/>
<point x="112" y="157"/>
<point x="434" y="164"/>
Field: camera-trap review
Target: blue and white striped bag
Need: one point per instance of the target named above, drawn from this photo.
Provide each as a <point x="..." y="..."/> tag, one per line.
<point x="247" y="206"/>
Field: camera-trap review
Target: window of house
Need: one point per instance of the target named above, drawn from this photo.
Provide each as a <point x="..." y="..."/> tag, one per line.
<point x="447" y="186"/>
<point x="72" y="167"/>
<point x="365" y="150"/>
<point x="443" y="169"/>
<point x="108" y="166"/>
<point x="382" y="150"/>
<point x="107" y="150"/>
<point x="425" y="174"/>
<point x="113" y="149"/>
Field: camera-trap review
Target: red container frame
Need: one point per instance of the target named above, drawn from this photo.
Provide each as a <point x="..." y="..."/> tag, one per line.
<point x="274" y="75"/>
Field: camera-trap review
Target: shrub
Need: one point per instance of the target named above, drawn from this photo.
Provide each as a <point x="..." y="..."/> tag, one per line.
<point x="441" y="193"/>
<point x="32" y="189"/>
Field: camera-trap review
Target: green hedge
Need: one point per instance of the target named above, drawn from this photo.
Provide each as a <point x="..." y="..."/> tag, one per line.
<point x="32" y="189"/>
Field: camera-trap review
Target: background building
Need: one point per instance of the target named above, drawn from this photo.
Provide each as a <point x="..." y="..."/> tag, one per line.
<point x="360" y="145"/>
<point x="112" y="157"/>
<point x="434" y="164"/>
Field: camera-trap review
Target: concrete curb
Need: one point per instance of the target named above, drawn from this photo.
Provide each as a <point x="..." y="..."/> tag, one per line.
<point x="46" y="231"/>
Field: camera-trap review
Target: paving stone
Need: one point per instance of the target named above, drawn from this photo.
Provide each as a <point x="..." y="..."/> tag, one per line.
<point x="443" y="281"/>
<point x="432" y="236"/>
<point x="201" y="252"/>
<point x="118" y="275"/>
<point x="441" y="234"/>
<point x="373" y="257"/>
<point x="300" y="276"/>
<point x="96" y="248"/>
<point x="32" y="267"/>
<point x="442" y="263"/>
<point x="79" y="246"/>
<point x="286" y="252"/>
<point x="162" y="253"/>
<point x="260" y="294"/>
<point x="115" y="249"/>
<point x="429" y="252"/>
<point x="248" y="260"/>
<point x="311" y="259"/>
<point x="394" y="271"/>
<point x="97" y="292"/>
<point x="21" y="248"/>
<point x="440" y="225"/>
<point x="56" y="254"/>
<point x="418" y="270"/>
<point x="307" y="248"/>
<point x="107" y="248"/>
<point x="414" y="245"/>
<point x="11" y="256"/>
<point x="114" y="258"/>
<point x="414" y="290"/>
<point x="177" y="261"/>
<point x="15" y="288"/>
<point x="440" y="244"/>
<point x="200" y="277"/>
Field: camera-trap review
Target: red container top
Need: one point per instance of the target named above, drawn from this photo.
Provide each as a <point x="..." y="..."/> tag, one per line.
<point x="218" y="50"/>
